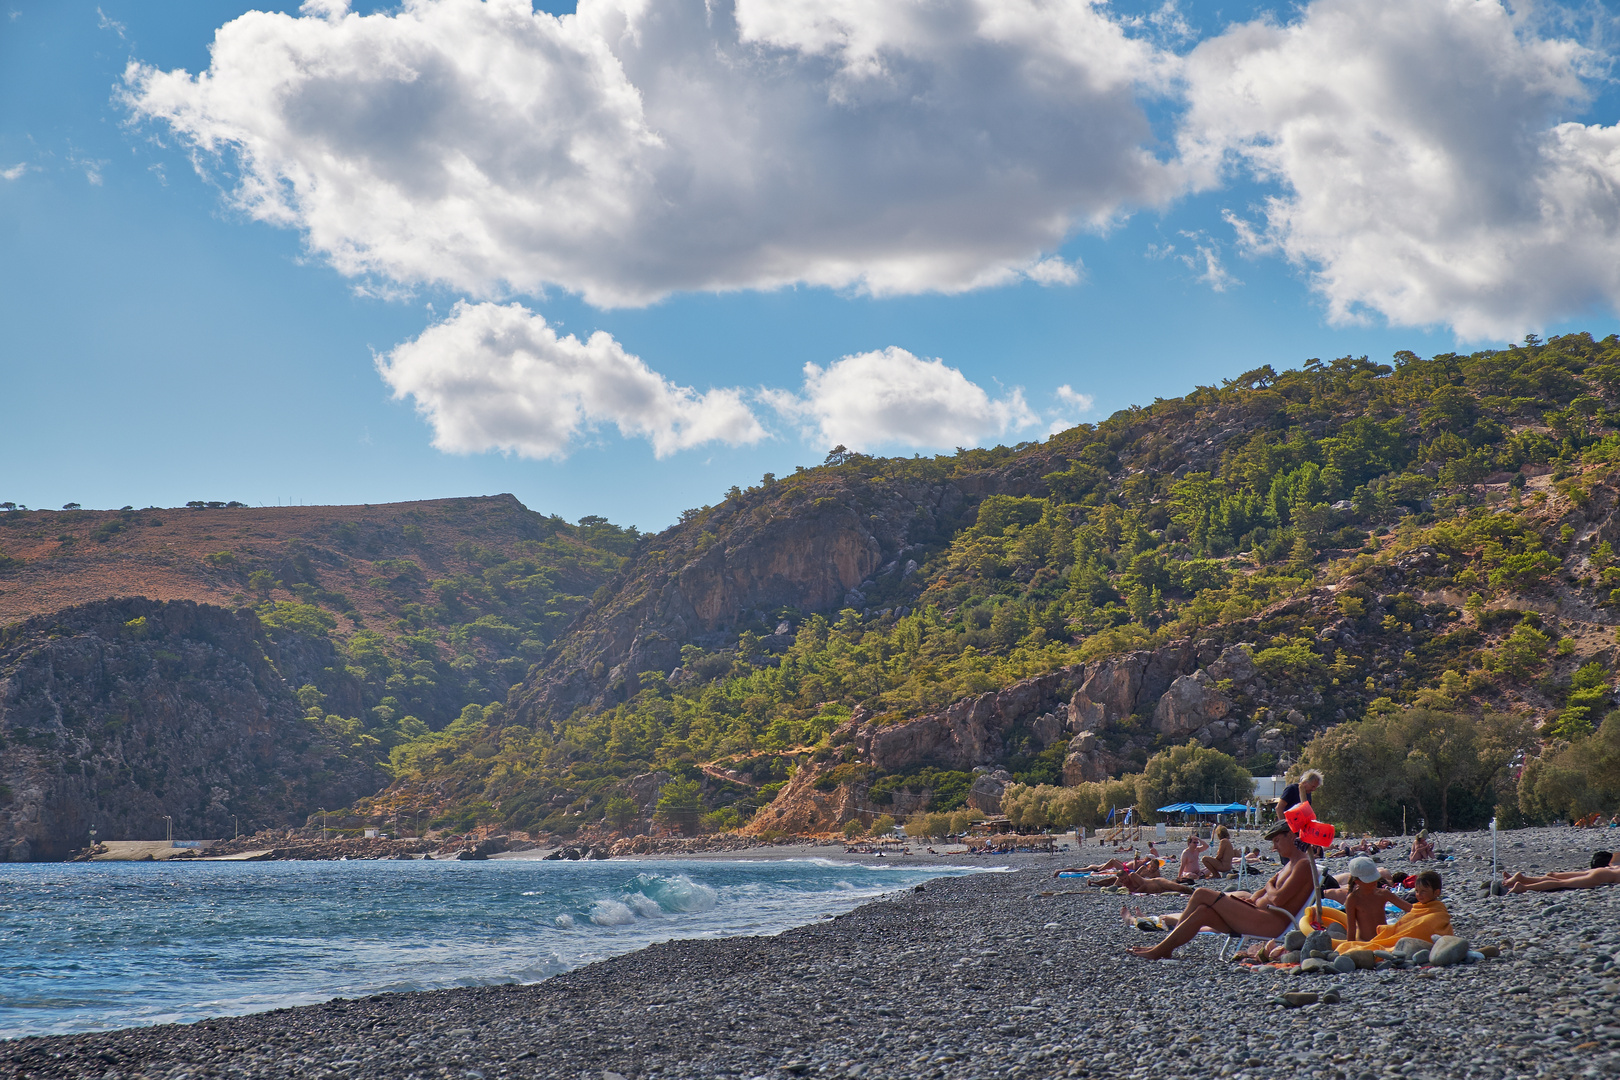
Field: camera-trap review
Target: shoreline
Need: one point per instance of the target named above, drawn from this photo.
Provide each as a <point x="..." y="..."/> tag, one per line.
<point x="978" y="975"/>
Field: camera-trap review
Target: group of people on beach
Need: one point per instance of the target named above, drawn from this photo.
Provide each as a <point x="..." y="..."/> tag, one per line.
<point x="1366" y="896"/>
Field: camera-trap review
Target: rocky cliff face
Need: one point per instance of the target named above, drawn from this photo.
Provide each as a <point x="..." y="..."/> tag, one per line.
<point x="1104" y="710"/>
<point x="807" y="545"/>
<point x="119" y="713"/>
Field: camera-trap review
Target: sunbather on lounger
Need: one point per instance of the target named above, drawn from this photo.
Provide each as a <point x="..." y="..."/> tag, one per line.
<point x="1269" y="911"/>
<point x="1220" y="863"/>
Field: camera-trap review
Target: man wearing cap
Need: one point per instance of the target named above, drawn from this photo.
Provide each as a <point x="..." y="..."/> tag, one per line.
<point x="1267" y="913"/>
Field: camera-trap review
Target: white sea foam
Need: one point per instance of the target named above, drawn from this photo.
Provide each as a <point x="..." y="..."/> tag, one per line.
<point x="677" y="893"/>
<point x="565" y="920"/>
<point x="611" y="913"/>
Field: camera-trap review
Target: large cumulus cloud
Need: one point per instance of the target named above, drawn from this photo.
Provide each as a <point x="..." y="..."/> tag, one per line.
<point x="642" y="147"/>
<point x="1423" y="173"/>
<point x="498" y="377"/>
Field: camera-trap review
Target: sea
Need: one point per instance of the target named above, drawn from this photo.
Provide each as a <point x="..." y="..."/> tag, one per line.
<point x="94" y="946"/>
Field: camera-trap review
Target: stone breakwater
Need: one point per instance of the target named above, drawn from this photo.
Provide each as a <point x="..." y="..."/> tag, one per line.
<point x="966" y="977"/>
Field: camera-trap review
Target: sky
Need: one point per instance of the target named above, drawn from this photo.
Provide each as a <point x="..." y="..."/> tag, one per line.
<point x="614" y="260"/>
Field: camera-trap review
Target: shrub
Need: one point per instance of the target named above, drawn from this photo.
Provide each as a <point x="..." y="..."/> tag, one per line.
<point x="293" y="617"/>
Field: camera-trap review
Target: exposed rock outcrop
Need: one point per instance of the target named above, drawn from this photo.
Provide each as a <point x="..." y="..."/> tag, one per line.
<point x="119" y="714"/>
<point x="1192" y="702"/>
<point x="1088" y="760"/>
<point x="988" y="787"/>
<point x="972" y="731"/>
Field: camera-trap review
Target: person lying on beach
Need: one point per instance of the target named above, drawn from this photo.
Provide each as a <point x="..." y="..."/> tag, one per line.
<point x="1426" y="919"/>
<point x="1422" y="847"/>
<point x="1220" y="864"/>
<point x="1364" y="899"/>
<point x="1560" y="880"/>
<point x="1112" y="866"/>
<point x="1191" y="870"/>
<point x="1267" y="913"/>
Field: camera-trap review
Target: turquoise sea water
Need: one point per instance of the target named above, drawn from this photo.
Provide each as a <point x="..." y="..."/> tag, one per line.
<point x="89" y="946"/>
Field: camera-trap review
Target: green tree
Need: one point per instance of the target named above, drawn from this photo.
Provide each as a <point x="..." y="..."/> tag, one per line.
<point x="1523" y="653"/>
<point x="621" y="811"/>
<point x="680" y="805"/>
<point x="1191" y="773"/>
<point x="1450" y="767"/>
<point x="1570" y="781"/>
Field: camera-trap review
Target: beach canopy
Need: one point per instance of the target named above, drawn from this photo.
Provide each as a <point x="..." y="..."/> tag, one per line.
<point x="1203" y="808"/>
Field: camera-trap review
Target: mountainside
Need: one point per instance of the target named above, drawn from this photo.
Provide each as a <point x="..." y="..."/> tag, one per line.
<point x="1402" y="573"/>
<point x="117" y="714"/>
<point x="378" y="624"/>
<point x="1246" y="567"/>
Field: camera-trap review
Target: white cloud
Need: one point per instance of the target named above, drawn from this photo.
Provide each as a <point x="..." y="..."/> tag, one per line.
<point x="1070" y="396"/>
<point x="1054" y="271"/>
<point x="493" y="377"/>
<point x="891" y="397"/>
<point x="1423" y="175"/>
<point x="16" y="172"/>
<point x="114" y="25"/>
<point x="642" y="147"/>
<point x="1073" y="399"/>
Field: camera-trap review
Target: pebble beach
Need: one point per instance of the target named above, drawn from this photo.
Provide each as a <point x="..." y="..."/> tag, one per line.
<point x="999" y="974"/>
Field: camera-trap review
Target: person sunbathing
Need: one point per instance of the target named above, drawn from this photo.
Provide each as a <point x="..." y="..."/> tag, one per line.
<point x="1191" y="869"/>
<point x="1266" y="913"/>
<point x="1426" y="918"/>
<point x="1220" y="864"/>
<point x="1112" y="866"/>
<point x="1364" y="899"/>
<point x="1422" y="847"/>
<point x="1600" y="873"/>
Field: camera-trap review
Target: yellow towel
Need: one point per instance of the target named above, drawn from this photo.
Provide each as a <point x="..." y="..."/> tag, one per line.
<point x="1424" y="921"/>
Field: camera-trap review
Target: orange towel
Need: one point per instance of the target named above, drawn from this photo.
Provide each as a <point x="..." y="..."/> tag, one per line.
<point x="1424" y="921"/>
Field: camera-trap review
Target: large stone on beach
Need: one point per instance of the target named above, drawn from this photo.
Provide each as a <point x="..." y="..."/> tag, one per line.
<point x="1344" y="965"/>
<point x="1363" y="959"/>
<point x="1405" y="947"/>
<point x="1448" y="950"/>
<point x="1314" y="963"/>
<point x="1295" y="940"/>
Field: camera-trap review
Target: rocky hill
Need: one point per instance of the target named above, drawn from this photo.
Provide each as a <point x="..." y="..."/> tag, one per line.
<point x="119" y="714"/>
<point x="1246" y="567"/>
<point x="1405" y="572"/>
<point x="378" y="624"/>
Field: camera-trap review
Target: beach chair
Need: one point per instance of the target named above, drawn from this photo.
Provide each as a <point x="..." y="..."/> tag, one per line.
<point x="1244" y="940"/>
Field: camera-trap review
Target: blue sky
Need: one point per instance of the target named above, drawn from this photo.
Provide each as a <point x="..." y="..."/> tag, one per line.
<point x="163" y="344"/>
